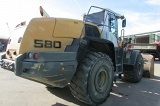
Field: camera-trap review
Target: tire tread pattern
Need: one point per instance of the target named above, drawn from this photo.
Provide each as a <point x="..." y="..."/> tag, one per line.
<point x="78" y="84"/>
<point x="130" y="74"/>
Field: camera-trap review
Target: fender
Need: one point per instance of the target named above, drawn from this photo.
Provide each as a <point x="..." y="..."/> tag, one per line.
<point x="130" y="57"/>
<point x="81" y="46"/>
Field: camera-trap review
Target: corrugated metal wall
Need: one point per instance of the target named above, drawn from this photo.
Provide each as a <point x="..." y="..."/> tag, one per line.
<point x="145" y="38"/>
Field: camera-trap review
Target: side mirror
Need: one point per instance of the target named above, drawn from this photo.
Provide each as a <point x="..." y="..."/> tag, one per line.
<point x="124" y="23"/>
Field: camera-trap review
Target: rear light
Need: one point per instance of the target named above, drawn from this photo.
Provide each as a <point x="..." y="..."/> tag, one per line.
<point x="30" y="55"/>
<point x="35" y="55"/>
<point x="129" y="47"/>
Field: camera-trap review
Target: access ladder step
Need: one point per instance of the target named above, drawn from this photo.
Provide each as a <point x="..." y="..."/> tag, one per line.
<point x="118" y="56"/>
<point x="118" y="65"/>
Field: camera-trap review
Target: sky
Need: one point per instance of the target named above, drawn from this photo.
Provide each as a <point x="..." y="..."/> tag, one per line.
<point x="141" y="15"/>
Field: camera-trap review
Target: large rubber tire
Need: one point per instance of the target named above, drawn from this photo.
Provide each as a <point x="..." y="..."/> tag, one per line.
<point x="159" y="56"/>
<point x="134" y="73"/>
<point x="93" y="79"/>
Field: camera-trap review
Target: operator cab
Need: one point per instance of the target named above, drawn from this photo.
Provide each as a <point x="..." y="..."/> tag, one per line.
<point x="107" y="21"/>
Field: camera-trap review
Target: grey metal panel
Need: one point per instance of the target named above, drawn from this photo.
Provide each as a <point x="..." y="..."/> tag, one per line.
<point x="47" y="72"/>
<point x="72" y="48"/>
<point x="18" y="64"/>
<point x="54" y="56"/>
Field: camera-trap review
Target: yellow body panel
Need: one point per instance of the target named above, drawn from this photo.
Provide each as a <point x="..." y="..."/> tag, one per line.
<point x="28" y="45"/>
<point x="46" y="29"/>
<point x="68" y="28"/>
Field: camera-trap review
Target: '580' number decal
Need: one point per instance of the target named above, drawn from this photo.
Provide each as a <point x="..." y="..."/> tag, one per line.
<point x="46" y="44"/>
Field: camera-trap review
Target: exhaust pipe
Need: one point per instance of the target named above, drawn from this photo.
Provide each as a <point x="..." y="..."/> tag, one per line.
<point x="43" y="12"/>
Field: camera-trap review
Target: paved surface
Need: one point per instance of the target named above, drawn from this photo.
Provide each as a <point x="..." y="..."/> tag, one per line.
<point x="15" y="91"/>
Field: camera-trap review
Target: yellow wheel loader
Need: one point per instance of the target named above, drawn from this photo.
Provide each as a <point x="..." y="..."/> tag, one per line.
<point x="82" y="54"/>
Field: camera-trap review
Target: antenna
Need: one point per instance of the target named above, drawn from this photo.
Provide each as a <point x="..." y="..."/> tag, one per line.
<point x="78" y="5"/>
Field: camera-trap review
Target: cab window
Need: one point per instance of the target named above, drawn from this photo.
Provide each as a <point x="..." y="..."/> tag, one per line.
<point x="113" y="26"/>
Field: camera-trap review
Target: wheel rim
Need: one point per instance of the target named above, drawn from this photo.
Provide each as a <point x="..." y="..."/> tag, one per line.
<point x="101" y="80"/>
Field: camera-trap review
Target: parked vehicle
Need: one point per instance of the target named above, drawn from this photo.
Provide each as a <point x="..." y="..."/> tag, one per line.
<point x="82" y="54"/>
